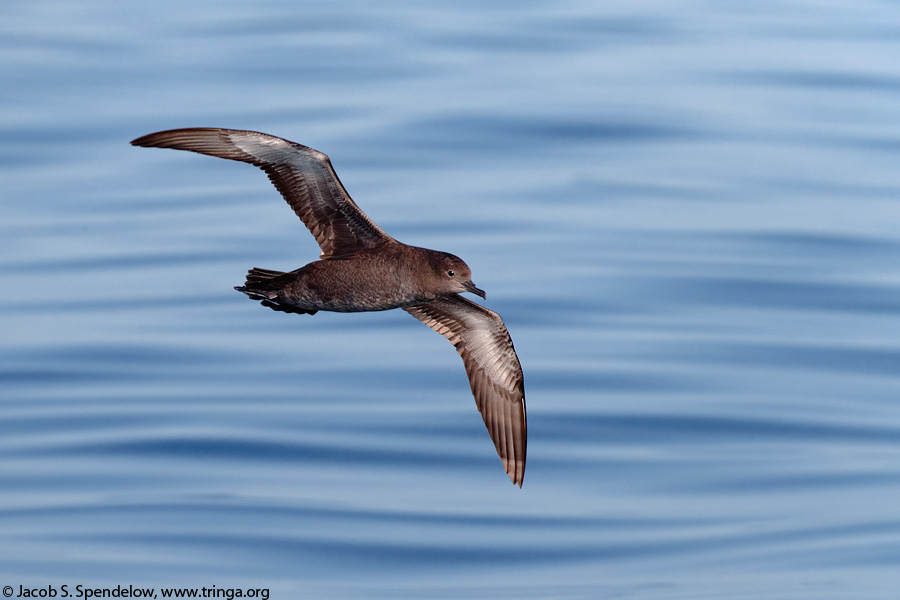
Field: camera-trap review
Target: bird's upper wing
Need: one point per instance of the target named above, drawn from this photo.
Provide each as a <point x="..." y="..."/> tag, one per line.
<point x="493" y="368"/>
<point x="304" y="177"/>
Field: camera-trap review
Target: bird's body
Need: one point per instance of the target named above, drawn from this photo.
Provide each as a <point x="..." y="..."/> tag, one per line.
<point x="347" y="284"/>
<point x="361" y="268"/>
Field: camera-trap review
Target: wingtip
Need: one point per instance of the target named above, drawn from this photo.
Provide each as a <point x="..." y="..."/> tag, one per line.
<point x="165" y="138"/>
<point x="516" y="473"/>
<point x="146" y="141"/>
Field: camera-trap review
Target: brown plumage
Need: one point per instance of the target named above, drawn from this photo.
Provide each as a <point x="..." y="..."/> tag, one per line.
<point x="361" y="268"/>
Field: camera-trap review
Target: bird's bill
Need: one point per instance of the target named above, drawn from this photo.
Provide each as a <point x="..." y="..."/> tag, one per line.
<point x="470" y="287"/>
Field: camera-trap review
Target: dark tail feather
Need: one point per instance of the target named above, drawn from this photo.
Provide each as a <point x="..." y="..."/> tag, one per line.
<point x="260" y="280"/>
<point x="263" y="285"/>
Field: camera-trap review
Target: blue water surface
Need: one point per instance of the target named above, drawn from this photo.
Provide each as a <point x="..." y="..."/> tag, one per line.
<point x="688" y="214"/>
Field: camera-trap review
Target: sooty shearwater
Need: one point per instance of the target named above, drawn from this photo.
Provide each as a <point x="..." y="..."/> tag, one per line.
<point x="362" y="268"/>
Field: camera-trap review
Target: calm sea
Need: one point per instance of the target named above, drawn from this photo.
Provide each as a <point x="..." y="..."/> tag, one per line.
<point x="688" y="214"/>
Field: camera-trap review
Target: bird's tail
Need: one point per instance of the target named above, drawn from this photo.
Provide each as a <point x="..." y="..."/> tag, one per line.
<point x="264" y="285"/>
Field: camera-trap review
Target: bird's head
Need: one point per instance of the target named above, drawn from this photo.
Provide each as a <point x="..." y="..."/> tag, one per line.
<point x="454" y="275"/>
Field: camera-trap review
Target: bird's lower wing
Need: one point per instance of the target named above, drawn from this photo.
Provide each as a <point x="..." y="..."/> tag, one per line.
<point x="492" y="365"/>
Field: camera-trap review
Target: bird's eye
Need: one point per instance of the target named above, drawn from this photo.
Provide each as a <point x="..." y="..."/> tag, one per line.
<point x="450" y="273"/>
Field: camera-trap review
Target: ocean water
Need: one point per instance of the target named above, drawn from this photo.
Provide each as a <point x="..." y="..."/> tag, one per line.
<point x="687" y="213"/>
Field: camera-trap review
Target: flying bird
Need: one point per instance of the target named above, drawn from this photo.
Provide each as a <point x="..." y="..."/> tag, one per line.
<point x="362" y="268"/>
